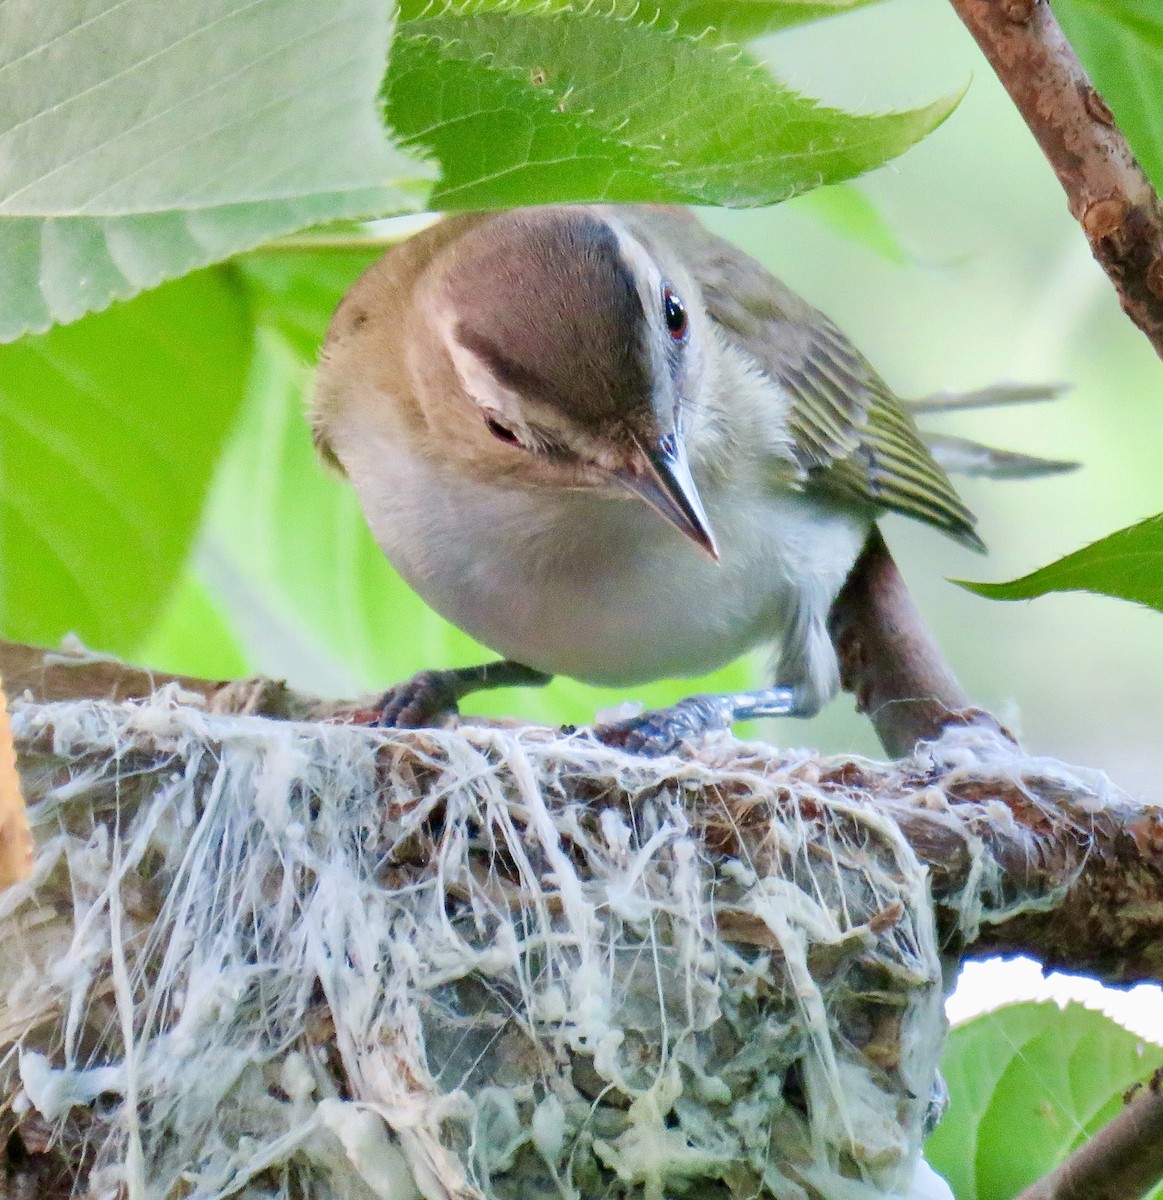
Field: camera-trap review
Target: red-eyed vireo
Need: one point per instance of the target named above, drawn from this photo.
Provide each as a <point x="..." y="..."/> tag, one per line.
<point x="608" y="444"/>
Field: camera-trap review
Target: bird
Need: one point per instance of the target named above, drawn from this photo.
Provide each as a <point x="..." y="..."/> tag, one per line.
<point x="610" y="445"/>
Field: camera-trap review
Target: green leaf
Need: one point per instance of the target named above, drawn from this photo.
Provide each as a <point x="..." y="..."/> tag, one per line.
<point x="844" y="208"/>
<point x="296" y="292"/>
<point x="1029" y="1083"/>
<point x="1127" y="564"/>
<point x="524" y="106"/>
<point x="1120" y="43"/>
<point x="728" y="20"/>
<point x="288" y="558"/>
<point x="741" y="20"/>
<point x="141" y="139"/>
<point x="109" y="433"/>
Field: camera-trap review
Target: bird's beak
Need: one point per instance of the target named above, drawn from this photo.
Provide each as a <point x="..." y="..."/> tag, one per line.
<point x="661" y="476"/>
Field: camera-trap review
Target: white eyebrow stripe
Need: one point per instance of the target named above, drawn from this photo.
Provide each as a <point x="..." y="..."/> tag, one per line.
<point x="475" y="375"/>
<point x="641" y="263"/>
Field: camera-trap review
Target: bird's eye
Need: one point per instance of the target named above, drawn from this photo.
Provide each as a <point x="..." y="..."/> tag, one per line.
<point x="674" y="312"/>
<point x="501" y="432"/>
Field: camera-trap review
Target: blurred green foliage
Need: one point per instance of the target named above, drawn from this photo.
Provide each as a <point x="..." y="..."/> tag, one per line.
<point x="112" y="450"/>
<point x="121" y="431"/>
<point x="110" y="432"/>
<point x="136" y="144"/>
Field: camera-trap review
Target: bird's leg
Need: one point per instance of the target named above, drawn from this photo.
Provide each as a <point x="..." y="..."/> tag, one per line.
<point x="662" y="730"/>
<point x="430" y="694"/>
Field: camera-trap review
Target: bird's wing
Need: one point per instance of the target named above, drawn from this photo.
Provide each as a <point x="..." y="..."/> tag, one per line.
<point x="854" y="439"/>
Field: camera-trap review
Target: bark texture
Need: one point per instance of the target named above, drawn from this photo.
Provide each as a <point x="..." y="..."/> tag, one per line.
<point x="1106" y="189"/>
<point x="890" y="660"/>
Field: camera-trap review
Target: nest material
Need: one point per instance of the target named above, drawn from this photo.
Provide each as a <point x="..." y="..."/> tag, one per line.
<point x="259" y="958"/>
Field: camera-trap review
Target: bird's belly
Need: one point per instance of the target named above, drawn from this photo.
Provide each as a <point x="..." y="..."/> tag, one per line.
<point x="605" y="591"/>
<point x="629" y="621"/>
<point x="608" y="623"/>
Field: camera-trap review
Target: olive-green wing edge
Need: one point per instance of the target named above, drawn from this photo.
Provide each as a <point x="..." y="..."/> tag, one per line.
<point x="854" y="438"/>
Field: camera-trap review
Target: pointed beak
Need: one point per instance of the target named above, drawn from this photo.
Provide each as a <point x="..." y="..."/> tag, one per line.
<point x="660" y="476"/>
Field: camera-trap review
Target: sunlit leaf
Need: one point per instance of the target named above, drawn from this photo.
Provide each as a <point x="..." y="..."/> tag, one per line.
<point x="192" y="637"/>
<point x="1120" y="43"/>
<point x="297" y="292"/>
<point x="1127" y="564"/>
<point x="109" y="433"/>
<point x="524" y="106"/>
<point x="1028" y="1083"/>
<point x="141" y="139"/>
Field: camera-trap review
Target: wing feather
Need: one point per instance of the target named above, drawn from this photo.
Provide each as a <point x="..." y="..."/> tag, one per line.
<point x="854" y="438"/>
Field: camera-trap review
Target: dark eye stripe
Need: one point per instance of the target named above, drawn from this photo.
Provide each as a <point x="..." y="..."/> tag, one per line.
<point x="503" y="366"/>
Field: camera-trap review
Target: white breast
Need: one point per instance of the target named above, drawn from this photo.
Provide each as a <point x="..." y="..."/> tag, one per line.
<point x="604" y="590"/>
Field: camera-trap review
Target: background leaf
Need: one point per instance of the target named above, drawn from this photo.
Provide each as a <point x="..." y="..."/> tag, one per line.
<point x="844" y="208"/>
<point x="545" y="105"/>
<point x="109" y="434"/>
<point x="192" y="629"/>
<point x="1120" y="43"/>
<point x="1029" y="1083"/>
<point x="141" y="138"/>
<point x="1127" y="564"/>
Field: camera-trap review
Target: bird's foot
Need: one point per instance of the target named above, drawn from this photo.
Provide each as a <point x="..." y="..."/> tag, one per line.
<point x="663" y="730"/>
<point x="429" y="695"/>
<point x="419" y="701"/>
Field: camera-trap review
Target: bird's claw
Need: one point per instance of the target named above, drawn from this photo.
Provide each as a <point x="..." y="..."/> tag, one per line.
<point x="663" y="730"/>
<point x="417" y="702"/>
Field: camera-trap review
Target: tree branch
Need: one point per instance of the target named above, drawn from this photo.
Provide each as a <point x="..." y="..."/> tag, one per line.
<point x="1104" y="858"/>
<point x="1026" y="855"/>
<point x="1107" y="190"/>
<point x="1124" y="1159"/>
<point x="890" y="660"/>
<point x="74" y="673"/>
<point x="1111" y="197"/>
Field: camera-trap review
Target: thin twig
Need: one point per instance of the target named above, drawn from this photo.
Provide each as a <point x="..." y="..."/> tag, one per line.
<point x="1124" y="1159"/>
<point x="1107" y="190"/>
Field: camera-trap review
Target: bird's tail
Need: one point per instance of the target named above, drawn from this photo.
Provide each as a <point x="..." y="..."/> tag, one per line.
<point x="960" y="456"/>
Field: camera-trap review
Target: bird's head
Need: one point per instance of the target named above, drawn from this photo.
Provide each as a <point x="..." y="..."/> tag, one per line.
<point x="576" y="352"/>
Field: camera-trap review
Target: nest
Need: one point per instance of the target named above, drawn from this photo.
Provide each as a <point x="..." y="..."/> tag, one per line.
<point x="267" y="959"/>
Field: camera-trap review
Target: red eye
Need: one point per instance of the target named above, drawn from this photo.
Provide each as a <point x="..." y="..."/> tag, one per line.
<point x="674" y="313"/>
<point x="501" y="432"/>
